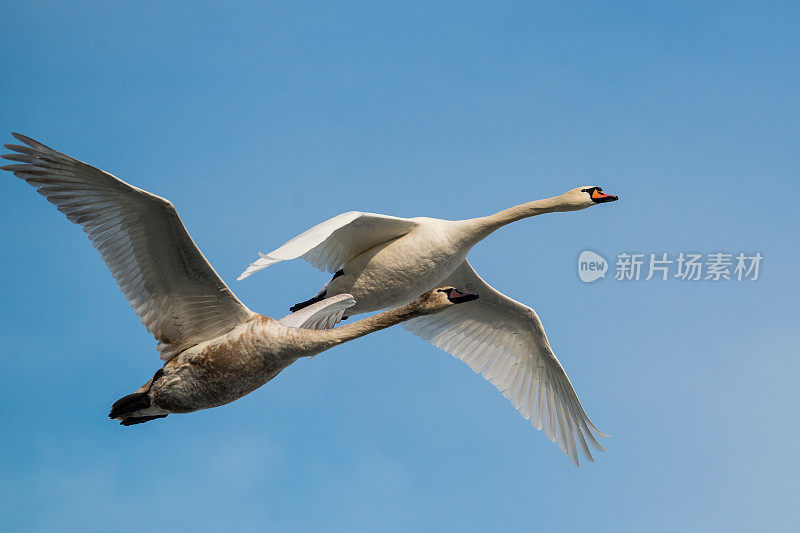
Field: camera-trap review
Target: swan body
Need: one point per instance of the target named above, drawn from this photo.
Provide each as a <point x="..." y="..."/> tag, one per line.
<point x="383" y="261"/>
<point x="215" y="350"/>
<point x="385" y="275"/>
<point x="223" y="369"/>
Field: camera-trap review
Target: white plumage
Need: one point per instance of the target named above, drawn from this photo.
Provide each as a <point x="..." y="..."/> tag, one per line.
<point x="321" y="315"/>
<point x="504" y="341"/>
<point x="334" y="242"/>
<point x="385" y="261"/>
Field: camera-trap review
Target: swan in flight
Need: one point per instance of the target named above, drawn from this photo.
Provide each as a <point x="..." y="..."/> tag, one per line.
<point x="383" y="261"/>
<point x="215" y="350"/>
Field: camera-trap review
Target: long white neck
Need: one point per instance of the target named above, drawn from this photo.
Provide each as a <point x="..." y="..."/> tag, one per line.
<point x="476" y="229"/>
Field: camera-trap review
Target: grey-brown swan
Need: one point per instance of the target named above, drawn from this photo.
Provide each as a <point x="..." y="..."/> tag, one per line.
<point x="215" y="350"/>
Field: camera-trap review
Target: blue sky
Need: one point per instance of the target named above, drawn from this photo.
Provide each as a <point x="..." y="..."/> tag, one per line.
<point x="259" y="120"/>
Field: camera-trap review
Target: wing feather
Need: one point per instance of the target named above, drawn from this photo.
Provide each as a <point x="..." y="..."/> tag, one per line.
<point x="173" y="289"/>
<point x="331" y="244"/>
<point x="321" y="315"/>
<point x="503" y="340"/>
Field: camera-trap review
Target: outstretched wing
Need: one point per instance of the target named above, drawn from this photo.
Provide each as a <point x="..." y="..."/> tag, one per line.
<point x="504" y="341"/>
<point x="331" y="244"/>
<point x="171" y="286"/>
<point x="321" y="315"/>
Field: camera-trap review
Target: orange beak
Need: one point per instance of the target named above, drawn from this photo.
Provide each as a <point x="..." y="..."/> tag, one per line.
<point x="599" y="196"/>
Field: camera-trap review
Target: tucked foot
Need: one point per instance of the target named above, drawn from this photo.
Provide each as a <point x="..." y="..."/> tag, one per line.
<point x="302" y="305"/>
<point x="139" y="419"/>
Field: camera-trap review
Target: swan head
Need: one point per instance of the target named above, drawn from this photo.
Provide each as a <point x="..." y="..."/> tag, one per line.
<point x="586" y="196"/>
<point x="440" y="299"/>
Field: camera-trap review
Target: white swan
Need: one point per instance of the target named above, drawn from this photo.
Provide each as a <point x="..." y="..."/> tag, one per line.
<point x="215" y="349"/>
<point x="383" y="261"/>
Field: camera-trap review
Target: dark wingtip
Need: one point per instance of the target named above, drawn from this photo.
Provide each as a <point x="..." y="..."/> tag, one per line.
<point x="36" y="145"/>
